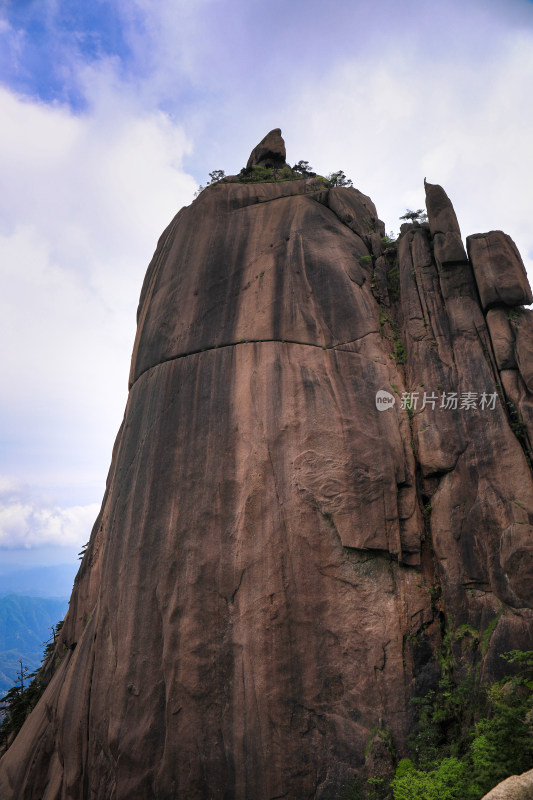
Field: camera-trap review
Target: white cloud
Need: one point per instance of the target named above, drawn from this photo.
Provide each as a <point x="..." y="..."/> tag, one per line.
<point x="30" y="521"/>
<point x="388" y="93"/>
<point x="84" y="200"/>
<point x="461" y="123"/>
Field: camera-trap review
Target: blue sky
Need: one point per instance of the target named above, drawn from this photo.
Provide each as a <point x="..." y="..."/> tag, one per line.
<point x="114" y="110"/>
<point x="47" y="39"/>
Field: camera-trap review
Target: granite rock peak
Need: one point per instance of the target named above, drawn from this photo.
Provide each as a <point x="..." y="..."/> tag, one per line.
<point x="278" y="559"/>
<point x="270" y="152"/>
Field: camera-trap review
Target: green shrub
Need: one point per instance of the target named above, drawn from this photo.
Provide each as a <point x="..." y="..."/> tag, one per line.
<point x="339" y="179"/>
<point x="448" y="782"/>
<point x="502" y="743"/>
<point x="415" y="216"/>
<point x="259" y="174"/>
<point x="304" y="168"/>
<point x="459" y="758"/>
<point x="216" y="176"/>
<point x="393" y="281"/>
<point x="286" y="174"/>
<point x="400" y="352"/>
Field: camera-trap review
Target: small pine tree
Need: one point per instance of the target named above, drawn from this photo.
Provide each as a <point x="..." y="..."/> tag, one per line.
<point x="303" y="168"/>
<point x="22" y="698"/>
<point x="415" y="216"/>
<point x="339" y="179"/>
<point x="216" y="176"/>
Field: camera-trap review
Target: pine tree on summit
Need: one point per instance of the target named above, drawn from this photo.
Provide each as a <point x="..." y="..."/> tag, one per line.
<point x="339" y="179"/>
<point x="415" y="216"/>
<point x="304" y="168"/>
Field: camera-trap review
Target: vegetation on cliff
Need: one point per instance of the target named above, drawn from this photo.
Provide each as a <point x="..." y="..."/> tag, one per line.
<point x="470" y="737"/>
<point x="24" y="623"/>
<point x="22" y="697"/>
<point x="258" y="173"/>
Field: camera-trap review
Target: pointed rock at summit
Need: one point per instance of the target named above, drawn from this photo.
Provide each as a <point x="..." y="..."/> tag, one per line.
<point x="448" y="246"/>
<point x="270" y="152"/>
<point x="441" y="214"/>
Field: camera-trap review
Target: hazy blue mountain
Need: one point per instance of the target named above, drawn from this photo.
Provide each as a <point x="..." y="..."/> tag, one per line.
<point x="43" y="581"/>
<point x="25" y="624"/>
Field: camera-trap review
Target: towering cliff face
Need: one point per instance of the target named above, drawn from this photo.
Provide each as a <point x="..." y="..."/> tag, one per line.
<point x="279" y="554"/>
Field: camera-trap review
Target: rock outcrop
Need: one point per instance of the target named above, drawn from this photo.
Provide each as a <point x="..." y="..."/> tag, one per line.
<point x="518" y="787"/>
<point x="499" y="270"/>
<point x="278" y="557"/>
<point x="270" y="152"/>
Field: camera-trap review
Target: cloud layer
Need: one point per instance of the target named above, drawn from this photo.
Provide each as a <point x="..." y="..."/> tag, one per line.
<point x="84" y="199"/>
<point x="28" y="521"/>
<point x="113" y="112"/>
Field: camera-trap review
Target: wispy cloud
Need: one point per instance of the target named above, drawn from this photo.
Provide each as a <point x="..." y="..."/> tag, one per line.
<point x="84" y="200"/>
<point x="28" y="520"/>
<point x="45" y="42"/>
<point x="457" y="124"/>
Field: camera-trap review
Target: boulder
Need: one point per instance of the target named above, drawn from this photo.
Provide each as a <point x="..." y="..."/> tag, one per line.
<point x="499" y="270"/>
<point x="357" y="212"/>
<point x="270" y="152"/>
<point x="517" y="787"/>
<point x="449" y="249"/>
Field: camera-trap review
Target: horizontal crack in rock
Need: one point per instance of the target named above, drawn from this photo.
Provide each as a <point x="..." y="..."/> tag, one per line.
<point x="251" y="341"/>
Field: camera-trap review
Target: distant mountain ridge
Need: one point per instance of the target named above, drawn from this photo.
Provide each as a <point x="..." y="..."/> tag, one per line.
<point x="39" y="581"/>
<point x="25" y="624"/>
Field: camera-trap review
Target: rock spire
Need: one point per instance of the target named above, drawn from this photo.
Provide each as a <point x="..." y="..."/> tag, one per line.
<point x="323" y="472"/>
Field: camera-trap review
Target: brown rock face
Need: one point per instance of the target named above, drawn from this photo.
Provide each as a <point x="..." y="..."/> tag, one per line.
<point x="502" y="337"/>
<point x="499" y="270"/>
<point x="441" y="214"/>
<point x="518" y="787"/>
<point x="270" y="152"/>
<point x="524" y="347"/>
<point x="283" y="543"/>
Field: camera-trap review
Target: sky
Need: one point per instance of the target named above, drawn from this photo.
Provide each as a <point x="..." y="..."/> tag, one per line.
<point x="114" y="111"/>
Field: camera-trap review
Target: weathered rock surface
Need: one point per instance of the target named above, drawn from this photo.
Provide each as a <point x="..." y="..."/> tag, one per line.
<point x="524" y="347"/>
<point x="441" y="213"/>
<point x="503" y="337"/>
<point x="499" y="270"/>
<point x="448" y="249"/>
<point x="518" y="787"/>
<point x="270" y="152"/>
<point x="199" y="293"/>
<point x="276" y="560"/>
